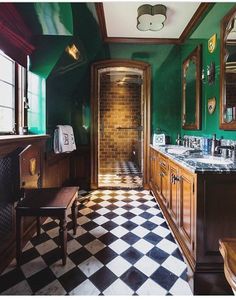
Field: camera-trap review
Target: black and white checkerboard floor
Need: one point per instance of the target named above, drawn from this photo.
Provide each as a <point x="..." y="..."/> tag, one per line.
<point x="122" y="174"/>
<point x="123" y="246"/>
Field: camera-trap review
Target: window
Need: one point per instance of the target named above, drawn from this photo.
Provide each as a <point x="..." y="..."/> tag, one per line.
<point x="12" y="77"/>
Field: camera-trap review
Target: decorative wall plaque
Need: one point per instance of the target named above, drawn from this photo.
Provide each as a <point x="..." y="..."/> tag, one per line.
<point x="212" y="43"/>
<point x="211" y="104"/>
<point x="32" y="166"/>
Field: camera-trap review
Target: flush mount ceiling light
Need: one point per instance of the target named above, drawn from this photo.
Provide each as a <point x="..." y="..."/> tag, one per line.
<point x="151" y="17"/>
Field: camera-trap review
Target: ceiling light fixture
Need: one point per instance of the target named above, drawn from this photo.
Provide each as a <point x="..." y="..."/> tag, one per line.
<point x="151" y="17"/>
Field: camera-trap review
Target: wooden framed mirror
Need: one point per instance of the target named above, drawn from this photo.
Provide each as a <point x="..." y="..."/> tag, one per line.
<point x="228" y="71"/>
<point x="191" y="90"/>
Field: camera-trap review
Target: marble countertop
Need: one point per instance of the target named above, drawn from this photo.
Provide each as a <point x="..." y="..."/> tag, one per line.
<point x="190" y="161"/>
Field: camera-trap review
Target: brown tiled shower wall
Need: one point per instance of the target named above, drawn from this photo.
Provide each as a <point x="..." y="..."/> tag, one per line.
<point x="120" y="106"/>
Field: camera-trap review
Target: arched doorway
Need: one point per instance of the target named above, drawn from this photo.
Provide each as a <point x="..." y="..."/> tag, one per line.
<point x="135" y="77"/>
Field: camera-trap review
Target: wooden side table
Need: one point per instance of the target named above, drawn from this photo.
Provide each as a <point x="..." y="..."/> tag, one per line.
<point x="228" y="251"/>
<point x="47" y="202"/>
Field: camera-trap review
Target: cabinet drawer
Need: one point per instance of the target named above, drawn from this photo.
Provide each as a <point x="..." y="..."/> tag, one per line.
<point x="163" y="162"/>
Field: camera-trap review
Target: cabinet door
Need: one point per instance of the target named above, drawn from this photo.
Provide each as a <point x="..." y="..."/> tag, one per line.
<point x="174" y="193"/>
<point x="152" y="165"/>
<point x="187" y="210"/>
<point x="157" y="177"/>
<point x="164" y="186"/>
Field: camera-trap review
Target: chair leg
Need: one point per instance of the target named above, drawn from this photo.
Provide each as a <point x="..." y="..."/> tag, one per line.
<point x="74" y="212"/>
<point x="38" y="226"/>
<point x="19" y="220"/>
<point x="63" y="238"/>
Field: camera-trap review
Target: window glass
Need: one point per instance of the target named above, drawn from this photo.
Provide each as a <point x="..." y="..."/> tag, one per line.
<point x="7" y="94"/>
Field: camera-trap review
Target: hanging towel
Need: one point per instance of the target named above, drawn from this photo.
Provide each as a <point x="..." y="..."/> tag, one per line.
<point x="64" y="140"/>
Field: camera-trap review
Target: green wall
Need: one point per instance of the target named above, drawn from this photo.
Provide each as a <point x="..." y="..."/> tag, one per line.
<point x="165" y="70"/>
<point x="209" y="26"/>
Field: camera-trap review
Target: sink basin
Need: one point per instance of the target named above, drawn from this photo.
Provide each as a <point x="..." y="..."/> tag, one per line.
<point x="211" y="160"/>
<point x="178" y="150"/>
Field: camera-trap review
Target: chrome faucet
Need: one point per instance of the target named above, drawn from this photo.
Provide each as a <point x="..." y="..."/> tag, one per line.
<point x="231" y="148"/>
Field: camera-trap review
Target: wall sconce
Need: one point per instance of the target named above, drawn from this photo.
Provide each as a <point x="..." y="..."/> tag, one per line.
<point x="73" y="51"/>
<point x="210" y="74"/>
<point x="151" y="17"/>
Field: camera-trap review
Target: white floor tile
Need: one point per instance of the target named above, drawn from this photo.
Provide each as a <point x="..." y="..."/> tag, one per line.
<point x="157" y="220"/>
<point x="101" y="220"/>
<point x="72" y="246"/>
<point x="119" y="211"/>
<point x="118" y="265"/>
<point x="86" y="288"/>
<point x="161" y="231"/>
<point x="94" y="246"/>
<point x="98" y="231"/>
<point x="140" y="231"/>
<point x="151" y="288"/>
<point x="82" y="220"/>
<point x="147" y="265"/>
<point x="181" y="287"/>
<point x="118" y="288"/>
<point x="119" y="220"/>
<point x="119" y="231"/>
<point x="59" y="269"/>
<point x="85" y="211"/>
<point x="175" y="265"/>
<point x="138" y="220"/>
<point x="21" y="288"/>
<point x="143" y="246"/>
<point x="102" y="211"/>
<point x="119" y="246"/>
<point x="46" y="246"/>
<point x="90" y="266"/>
<point x="166" y="246"/>
<point x="53" y="288"/>
<point x="33" y="266"/>
<point x="137" y="211"/>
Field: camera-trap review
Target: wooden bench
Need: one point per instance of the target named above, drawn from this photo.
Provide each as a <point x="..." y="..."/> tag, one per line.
<point x="47" y="202"/>
<point x="228" y="251"/>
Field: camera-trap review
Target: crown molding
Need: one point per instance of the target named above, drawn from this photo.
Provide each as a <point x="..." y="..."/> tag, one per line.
<point x="196" y="18"/>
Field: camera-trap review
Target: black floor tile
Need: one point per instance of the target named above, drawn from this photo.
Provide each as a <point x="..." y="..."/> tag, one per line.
<point x="103" y="278"/>
<point x="43" y="237"/>
<point x="29" y="255"/>
<point x="85" y="238"/>
<point x="134" y="278"/>
<point x="50" y="225"/>
<point x="111" y="215"/>
<point x="109" y="225"/>
<point x="178" y="254"/>
<point x="129" y="225"/>
<point x="105" y="255"/>
<point x="72" y="279"/>
<point x="170" y="238"/>
<point x="52" y="256"/>
<point x="146" y="215"/>
<point x="79" y="255"/>
<point x="149" y="225"/>
<point x="10" y="279"/>
<point x="132" y="255"/>
<point x="130" y="238"/>
<point x="108" y="238"/>
<point x="41" y="279"/>
<point x="158" y="255"/>
<point x="128" y="215"/>
<point x="152" y="238"/>
<point x="89" y="225"/>
<point x="164" y="278"/>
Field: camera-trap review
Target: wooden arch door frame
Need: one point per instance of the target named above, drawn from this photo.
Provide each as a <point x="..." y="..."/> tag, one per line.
<point x="94" y="136"/>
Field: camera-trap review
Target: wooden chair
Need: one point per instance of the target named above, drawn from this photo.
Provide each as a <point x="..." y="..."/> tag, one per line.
<point x="228" y="251"/>
<point x="47" y="202"/>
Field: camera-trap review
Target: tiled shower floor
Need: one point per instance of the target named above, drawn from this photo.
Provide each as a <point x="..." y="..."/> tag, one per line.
<point x="123" y="246"/>
<point x="122" y="174"/>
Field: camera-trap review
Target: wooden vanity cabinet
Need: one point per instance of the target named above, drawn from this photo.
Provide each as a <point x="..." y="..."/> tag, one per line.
<point x="200" y="209"/>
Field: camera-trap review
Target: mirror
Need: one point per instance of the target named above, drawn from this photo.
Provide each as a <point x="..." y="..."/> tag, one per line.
<point x="228" y="72"/>
<point x="191" y="90"/>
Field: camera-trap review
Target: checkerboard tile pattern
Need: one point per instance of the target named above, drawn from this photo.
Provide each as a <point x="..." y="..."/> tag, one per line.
<point x="123" y="246"/>
<point x="122" y="174"/>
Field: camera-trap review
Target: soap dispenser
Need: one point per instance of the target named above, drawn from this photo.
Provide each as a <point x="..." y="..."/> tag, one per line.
<point x="178" y="140"/>
<point x="213" y="144"/>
